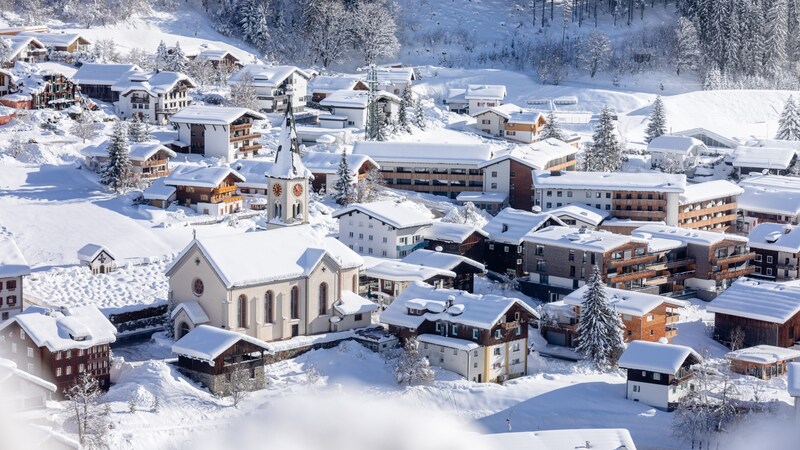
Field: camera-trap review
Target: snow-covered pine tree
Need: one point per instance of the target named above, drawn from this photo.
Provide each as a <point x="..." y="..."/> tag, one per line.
<point x="344" y="190"/>
<point x="775" y="38"/>
<point x="5" y="50"/>
<point x="658" y="121"/>
<point x="84" y="126"/>
<point x="551" y="128"/>
<point x="605" y="153"/>
<point x="789" y="122"/>
<point x="253" y="23"/>
<point x="383" y="131"/>
<point x="177" y="59"/>
<point x="600" y="327"/>
<point x="137" y="132"/>
<point x="713" y="80"/>
<point x="402" y="114"/>
<point x="169" y="323"/>
<point x="116" y="172"/>
<point x="687" y="46"/>
<point x="411" y="366"/>
<point x="419" y="116"/>
<point x="162" y="56"/>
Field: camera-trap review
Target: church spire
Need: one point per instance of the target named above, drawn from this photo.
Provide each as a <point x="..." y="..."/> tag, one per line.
<point x="288" y="163"/>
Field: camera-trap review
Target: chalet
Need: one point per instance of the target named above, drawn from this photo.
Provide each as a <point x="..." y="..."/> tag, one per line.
<point x="275" y="284"/>
<point x="482" y="96"/>
<point x="352" y="106"/>
<point x="457" y="239"/>
<point x="464" y="268"/>
<point x="216" y="358"/>
<point x="569" y="439"/>
<point x="580" y="215"/>
<point x="159" y="194"/>
<point x="153" y="96"/>
<point x="456" y="102"/>
<point x="506" y="234"/>
<point x="59" y="346"/>
<point x="324" y="85"/>
<point x="386" y="228"/>
<point x="762" y="361"/>
<point x="66" y="44"/>
<point x="659" y="375"/>
<point x="483" y="338"/>
<point x="762" y="160"/>
<point x="491" y="202"/>
<point x="40" y="88"/>
<point x="97" y="258"/>
<point x="777" y="251"/>
<point x="149" y="160"/>
<point x="386" y="279"/>
<point x="218" y="59"/>
<point x="793" y="386"/>
<point x="217" y="131"/>
<point x="510" y="171"/>
<point x="709" y="206"/>
<point x="324" y="167"/>
<point x="492" y="120"/>
<point x="207" y="190"/>
<point x="712" y="141"/>
<point x="646" y="317"/>
<point x="25" y="49"/>
<point x="675" y="151"/>
<point x="13" y="269"/>
<point x="765" y="312"/>
<point x="96" y="80"/>
<point x="439" y="169"/>
<point x="769" y="198"/>
<point x="395" y="79"/>
<point x="21" y="390"/>
<point x="8" y="83"/>
<point x="274" y="85"/>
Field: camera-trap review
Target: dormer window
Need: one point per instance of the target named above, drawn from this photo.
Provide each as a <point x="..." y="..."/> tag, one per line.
<point x="505" y="228"/>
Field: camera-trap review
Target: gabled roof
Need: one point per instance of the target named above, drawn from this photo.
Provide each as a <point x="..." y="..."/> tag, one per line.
<point x="480" y="311"/>
<point x="772" y="194"/>
<point x="351" y="303"/>
<point x="326" y="84"/>
<point x="389" y="212"/>
<point x="56" y="39"/>
<point x="192" y="309"/>
<point x="395" y="75"/>
<point x="423" y="152"/>
<point x="89" y="252"/>
<point x="679" y="145"/>
<point x="582" y="212"/>
<point x="505" y="111"/>
<point x="213" y="115"/>
<point x="702" y="132"/>
<point x="450" y="232"/>
<point x="104" y="74"/>
<point x="214" y="54"/>
<point x="758" y="300"/>
<point x="511" y="225"/>
<point x="207" y="343"/>
<point x="763" y="157"/>
<point x="138" y="151"/>
<point x="265" y="75"/>
<point x="485" y="92"/>
<point x="12" y="262"/>
<point x="537" y="155"/>
<point x="440" y="260"/>
<point x="207" y="177"/>
<point x="328" y="163"/>
<point x="8" y="370"/>
<point x="587" y="240"/>
<point x="710" y="190"/>
<point x="154" y="83"/>
<point x="775" y="236"/>
<point x="764" y="354"/>
<point x="686" y="235"/>
<point x="267" y="256"/>
<point x="80" y="327"/>
<point x="158" y="190"/>
<point x="657" y="357"/>
<point x="20" y="43"/>
<point x="619" y="181"/>
<point x="346" y="98"/>
<point x="623" y="301"/>
<point x="399" y="271"/>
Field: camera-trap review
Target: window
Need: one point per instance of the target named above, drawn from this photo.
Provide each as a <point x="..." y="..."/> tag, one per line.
<point x="351" y="234"/>
<point x="11" y="300"/>
<point x="494" y="174"/>
<point x="69" y="354"/>
<point x="385" y="240"/>
<point x="11" y="285"/>
<point x="323" y="299"/>
<point x="22" y="334"/>
<point x="650" y="318"/>
<point x="498" y="333"/>
<point x="494" y="185"/>
<point x="475" y="334"/>
<point x="497" y="351"/>
<point x="30" y="352"/>
<point x="58" y="371"/>
<point x="769" y="259"/>
<point x="69" y="370"/>
<point x="656" y="376"/>
<point x="636" y="388"/>
<point x="438" y="327"/>
<point x="516" y="347"/>
<point x="518" y="330"/>
<point x="572" y="255"/>
<point x="454" y="330"/>
<point x="58" y="356"/>
<point x="572" y="271"/>
<point x="197" y="287"/>
<point x="387" y="284"/>
<point x="242" y="311"/>
<point x="540" y="250"/>
<point x="425" y="345"/>
<point x="769" y="270"/>
<point x="294" y="303"/>
<point x="569" y="193"/>
<point x="358" y="317"/>
<point x="455" y="352"/>
<point x="269" y="307"/>
<point x="13" y="347"/>
<point x="81" y="368"/>
<point x="441" y="349"/>
<point x="491" y="246"/>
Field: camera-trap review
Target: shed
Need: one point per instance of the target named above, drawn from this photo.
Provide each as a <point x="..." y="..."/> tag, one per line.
<point x="97" y="257"/>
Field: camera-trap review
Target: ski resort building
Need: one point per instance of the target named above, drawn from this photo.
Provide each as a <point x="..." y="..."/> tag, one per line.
<point x="769" y="198"/>
<point x="482" y="96"/>
<point x="276" y="86"/>
<point x="492" y="120"/>
<point x="463" y="268"/>
<point x="13" y="269"/>
<point x="96" y="80"/>
<point x="457" y="239"/>
<point x="61" y="45"/>
<point x="483" y="338"/>
<point x="324" y="168"/>
<point x="762" y="160"/>
<point x="712" y="206"/>
<point x="25" y="49"/>
<point x="386" y="279"/>
<point x="580" y="215"/>
<point x="152" y="96"/>
<point x="207" y="190"/>
<point x="216" y="58"/>
<point x="659" y="375"/>
<point x="384" y="229"/>
<point x="777" y="251"/>
<point x="506" y="235"/>
<point x="270" y="285"/>
<point x="395" y="79"/>
<point x="217" y="131"/>
<point x="41" y="88"/>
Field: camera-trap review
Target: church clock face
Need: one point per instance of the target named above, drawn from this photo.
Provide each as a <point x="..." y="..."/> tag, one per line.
<point x="276" y="189"/>
<point x="297" y="190"/>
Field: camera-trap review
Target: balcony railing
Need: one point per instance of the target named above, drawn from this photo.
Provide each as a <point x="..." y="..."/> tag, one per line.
<point x="671" y="264"/>
<point x="223" y="190"/>
<point x="733" y="273"/>
<point x="672" y="318"/>
<point x="241" y="126"/>
<point x="245" y="137"/>
<point x="627" y="276"/>
<point x="638" y="214"/>
<point x="664" y="279"/>
<point x="639" y="201"/>
<point x="680" y="276"/>
<point x="736" y="257"/>
<point x="671" y="332"/>
<point x="509" y="325"/>
<point x="683" y="214"/>
<point x="640" y="259"/>
<point x="250" y="148"/>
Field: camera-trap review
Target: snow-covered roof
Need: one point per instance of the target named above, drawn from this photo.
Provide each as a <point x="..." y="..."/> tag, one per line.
<point x="328" y="163"/>
<point x="154" y="83"/>
<point x="511" y="225"/>
<point x="399" y="271"/>
<point x="440" y="260"/>
<point x="702" y="132"/>
<point x="680" y="145"/>
<point x="686" y="235"/>
<point x="214" y="54"/>
<point x="758" y="300"/>
<point x="588" y="240"/>
<point x="480" y="311"/>
<point x="450" y="232"/>
<point x="448" y="342"/>
<point x="351" y="303"/>
<point x="656" y="357"/>
<point x="207" y="343"/>
<point x="139" y="151"/>
<point x="395" y="75"/>
<point x="505" y="110"/>
<point x="12" y="262"/>
<point x="600" y="439"/>
<point x="207" y="177"/>
<point x="772" y="194"/>
<point x="288" y="163"/>
<point x="775" y="236"/>
<point x="623" y="301"/>
<point x="19" y="43"/>
<point x="485" y="92"/>
<point x="326" y="84"/>
<point x="158" y="190"/>
<point x="192" y="309"/>
<point x="777" y="182"/>
<point x="710" y="190"/>
<point x="80" y="327"/>
<point x="456" y="95"/>
<point x="267" y="76"/>
<point x="763" y="157"/>
<point x="422" y="152"/>
<point x="347" y="98"/>
<point x="388" y="211"/>
<point x="581" y="212"/>
<point x="213" y="115"/>
<point x="537" y="155"/>
<point x="254" y="171"/>
<point x="56" y="39"/>
<point x="8" y="369"/>
<point x="104" y="74"/>
<point x="267" y="256"/>
<point x="773" y="143"/>
<point x="764" y="354"/>
<point x="793" y="379"/>
<point x="482" y="197"/>
<point x="526" y="117"/>
<point x="618" y="181"/>
<point x="89" y="252"/>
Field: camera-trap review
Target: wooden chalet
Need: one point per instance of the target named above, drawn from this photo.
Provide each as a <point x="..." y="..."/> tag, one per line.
<point x="659" y="375"/>
<point x="464" y="268"/>
<point x="762" y="361"/>
<point x="456" y="239"/>
<point x="208" y="190"/>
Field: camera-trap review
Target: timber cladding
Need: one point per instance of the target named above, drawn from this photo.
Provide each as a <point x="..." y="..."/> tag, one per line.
<point x="757" y="332"/>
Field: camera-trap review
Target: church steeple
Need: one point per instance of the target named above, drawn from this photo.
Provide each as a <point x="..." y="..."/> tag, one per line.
<point x="288" y="163"/>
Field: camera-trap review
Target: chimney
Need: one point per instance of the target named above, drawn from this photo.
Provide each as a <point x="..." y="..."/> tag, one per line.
<point x="536" y="209"/>
<point x="787" y="229"/>
<point x="555" y="173"/>
<point x="450" y="300"/>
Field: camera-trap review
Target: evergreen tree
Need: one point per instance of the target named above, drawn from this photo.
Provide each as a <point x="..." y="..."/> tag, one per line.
<point x="713" y="80"/>
<point x="789" y="122"/>
<point x="419" y="116"/>
<point x="658" y="121"/>
<point x="551" y="128"/>
<point x="605" y="153"/>
<point x="402" y="114"/>
<point x="116" y="172"/>
<point x="344" y="190"/>
<point x="253" y="23"/>
<point x="177" y="60"/>
<point x="137" y="131"/>
<point x="687" y="46"/>
<point x="775" y="38"/>
<point x="600" y="327"/>
<point x="162" y="56"/>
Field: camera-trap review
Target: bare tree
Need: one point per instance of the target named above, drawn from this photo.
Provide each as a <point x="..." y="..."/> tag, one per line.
<point x="412" y="366"/>
<point x="737" y="338"/>
<point x="238" y="386"/>
<point x="243" y="93"/>
<point x="327" y="31"/>
<point x="91" y="422"/>
<point x="84" y="126"/>
<point x="374" y="30"/>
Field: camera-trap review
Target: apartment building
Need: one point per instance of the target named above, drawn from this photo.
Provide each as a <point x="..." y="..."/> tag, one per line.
<point x="709" y="206"/>
<point x="216" y="131"/>
<point x="385" y="229"/>
<point x="769" y="198"/>
<point x="505" y="237"/>
<point x="153" y="96"/>
<point x="777" y="251"/>
<point x="276" y="86"/>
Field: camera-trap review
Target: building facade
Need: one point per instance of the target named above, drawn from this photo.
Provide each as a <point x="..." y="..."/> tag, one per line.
<point x="13" y="269"/>
<point x="216" y="131"/>
<point x="383" y="229"/>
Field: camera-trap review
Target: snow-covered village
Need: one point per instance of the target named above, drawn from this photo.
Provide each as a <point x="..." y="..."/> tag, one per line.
<point x="399" y="224"/>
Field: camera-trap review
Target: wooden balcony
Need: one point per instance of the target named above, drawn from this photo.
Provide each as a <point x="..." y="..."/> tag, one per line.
<point x="671" y="332"/>
<point x="509" y="325"/>
<point x="223" y="190"/>
<point x="730" y="259"/>
<point x="250" y="148"/>
<point x="671" y="264"/>
<point x="672" y="318"/>
<point x="244" y="137"/>
<point x="643" y="259"/>
<point x="683" y="214"/>
<point x="241" y="126"/>
<point x="657" y="281"/>
<point x="623" y="213"/>
<point x="730" y="218"/>
<point x="432" y="176"/>
<point x="155" y="162"/>
<point x="236" y="198"/>
<point x="733" y="274"/>
<point x="639" y="202"/>
<point x="628" y="276"/>
<point x="680" y="276"/>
